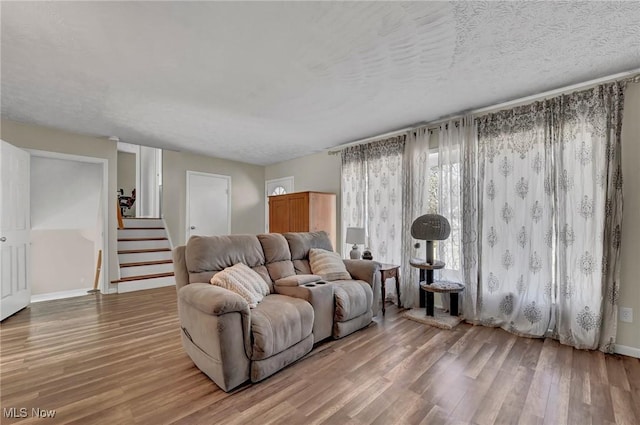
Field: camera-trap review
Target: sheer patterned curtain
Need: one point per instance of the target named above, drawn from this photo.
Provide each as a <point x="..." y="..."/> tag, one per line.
<point x="470" y="235"/>
<point x="415" y="202"/>
<point x="450" y="145"/>
<point x="543" y="217"/>
<point x="384" y="161"/>
<point x="372" y="194"/>
<point x="588" y="187"/>
<point x="384" y="198"/>
<point x="516" y="200"/>
<point x="354" y="177"/>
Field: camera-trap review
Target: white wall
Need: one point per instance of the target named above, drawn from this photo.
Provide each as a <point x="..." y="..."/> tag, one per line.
<point x="147" y="194"/>
<point x="318" y="172"/>
<point x="247" y="192"/>
<point x="629" y="333"/>
<point x="62" y="260"/>
<point x="64" y="194"/>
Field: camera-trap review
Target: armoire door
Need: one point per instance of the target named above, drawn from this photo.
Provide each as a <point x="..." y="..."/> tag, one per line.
<point x="299" y="212"/>
<point x="278" y="214"/>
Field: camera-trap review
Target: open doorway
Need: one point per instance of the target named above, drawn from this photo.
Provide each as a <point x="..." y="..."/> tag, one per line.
<point x="68" y="219"/>
<point x="139" y="181"/>
<point x="127" y="155"/>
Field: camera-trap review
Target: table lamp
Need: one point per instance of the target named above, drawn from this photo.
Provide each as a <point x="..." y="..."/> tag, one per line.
<point x="356" y="236"/>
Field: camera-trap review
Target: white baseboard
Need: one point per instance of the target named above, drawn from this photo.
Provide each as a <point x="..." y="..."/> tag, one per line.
<point x="59" y="295"/>
<point x="627" y="351"/>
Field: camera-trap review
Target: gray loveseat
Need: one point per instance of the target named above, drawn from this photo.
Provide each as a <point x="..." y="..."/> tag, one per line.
<point x="232" y="343"/>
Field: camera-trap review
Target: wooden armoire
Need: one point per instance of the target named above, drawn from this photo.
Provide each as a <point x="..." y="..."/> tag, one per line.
<point x="303" y="212"/>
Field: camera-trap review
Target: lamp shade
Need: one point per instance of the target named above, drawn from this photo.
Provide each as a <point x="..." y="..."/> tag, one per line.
<point x="355" y="235"/>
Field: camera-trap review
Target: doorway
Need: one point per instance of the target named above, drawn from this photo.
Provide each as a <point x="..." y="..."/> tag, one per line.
<point x="127" y="158"/>
<point x="208" y="204"/>
<point x="139" y="181"/>
<point x="69" y="216"/>
<point x="272" y="187"/>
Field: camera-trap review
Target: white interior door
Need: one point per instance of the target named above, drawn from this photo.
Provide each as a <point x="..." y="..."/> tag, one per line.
<point x="275" y="187"/>
<point x="14" y="230"/>
<point x="208" y="204"/>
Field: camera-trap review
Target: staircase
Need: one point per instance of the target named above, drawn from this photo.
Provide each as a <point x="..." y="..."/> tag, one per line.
<point x="144" y="255"/>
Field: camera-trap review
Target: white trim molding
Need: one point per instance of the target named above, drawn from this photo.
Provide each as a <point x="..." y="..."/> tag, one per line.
<point x="627" y="351"/>
<point x="60" y="295"/>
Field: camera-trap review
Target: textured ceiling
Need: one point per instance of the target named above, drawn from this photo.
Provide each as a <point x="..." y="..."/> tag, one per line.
<point x="265" y="82"/>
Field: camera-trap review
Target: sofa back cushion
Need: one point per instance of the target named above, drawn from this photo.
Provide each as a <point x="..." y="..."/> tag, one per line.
<point x="301" y="243"/>
<point x="207" y="255"/>
<point x="277" y="256"/>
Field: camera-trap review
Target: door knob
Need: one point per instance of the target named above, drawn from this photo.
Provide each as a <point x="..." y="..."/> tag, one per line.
<point x="192" y="227"/>
<point x="3" y="239"/>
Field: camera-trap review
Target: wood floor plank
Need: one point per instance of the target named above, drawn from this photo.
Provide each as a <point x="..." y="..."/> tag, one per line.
<point x="557" y="409"/>
<point x="118" y="359"/>
<point x="632" y="369"/>
<point x="622" y="408"/>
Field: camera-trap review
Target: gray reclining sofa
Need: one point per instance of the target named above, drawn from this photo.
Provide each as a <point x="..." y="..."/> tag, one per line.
<point x="232" y="343"/>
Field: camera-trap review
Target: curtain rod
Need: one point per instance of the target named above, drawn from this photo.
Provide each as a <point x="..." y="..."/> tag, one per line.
<point x="338" y="149"/>
<point x="432" y="125"/>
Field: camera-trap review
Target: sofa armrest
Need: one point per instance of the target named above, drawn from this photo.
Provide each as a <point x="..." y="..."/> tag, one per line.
<point x="180" y="271"/>
<point x="215" y="326"/>
<point x="297" y="280"/>
<point x="368" y="271"/>
<point x="363" y="269"/>
<point x="211" y="299"/>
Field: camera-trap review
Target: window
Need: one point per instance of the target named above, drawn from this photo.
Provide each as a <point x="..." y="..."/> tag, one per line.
<point x="278" y="190"/>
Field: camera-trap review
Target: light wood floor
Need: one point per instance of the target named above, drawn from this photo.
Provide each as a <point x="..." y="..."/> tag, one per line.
<point x="118" y="360"/>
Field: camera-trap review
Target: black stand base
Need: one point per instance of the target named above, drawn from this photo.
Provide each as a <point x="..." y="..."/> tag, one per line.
<point x="453" y="307"/>
<point x="430" y="311"/>
<point x="426" y="276"/>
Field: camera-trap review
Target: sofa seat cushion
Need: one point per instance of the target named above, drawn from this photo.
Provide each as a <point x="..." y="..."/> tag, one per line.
<point x="277" y="323"/>
<point x="353" y="298"/>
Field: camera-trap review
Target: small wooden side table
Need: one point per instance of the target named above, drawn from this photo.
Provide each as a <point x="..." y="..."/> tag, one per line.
<point x="387" y="271"/>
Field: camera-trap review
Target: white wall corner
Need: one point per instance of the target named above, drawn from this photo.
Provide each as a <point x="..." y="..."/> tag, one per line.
<point x="627" y="351"/>
<point x="166" y="231"/>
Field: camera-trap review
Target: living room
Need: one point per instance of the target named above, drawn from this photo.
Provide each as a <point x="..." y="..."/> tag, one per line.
<point x="263" y="91"/>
